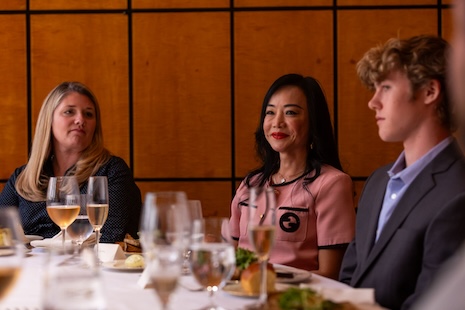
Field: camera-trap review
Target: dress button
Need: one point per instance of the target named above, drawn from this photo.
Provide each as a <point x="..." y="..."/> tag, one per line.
<point x="393" y="196"/>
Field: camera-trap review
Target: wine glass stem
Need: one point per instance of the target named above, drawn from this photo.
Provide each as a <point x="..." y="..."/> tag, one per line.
<point x="63" y="230"/>
<point x="97" y="240"/>
<point x="263" y="287"/>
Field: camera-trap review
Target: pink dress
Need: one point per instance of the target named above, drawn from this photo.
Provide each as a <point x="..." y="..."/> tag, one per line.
<point x="319" y="214"/>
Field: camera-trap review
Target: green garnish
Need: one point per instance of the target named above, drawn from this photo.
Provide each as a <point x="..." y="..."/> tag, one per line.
<point x="304" y="299"/>
<point x="244" y="258"/>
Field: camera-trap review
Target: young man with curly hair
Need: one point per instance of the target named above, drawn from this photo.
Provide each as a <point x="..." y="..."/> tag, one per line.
<point x="410" y="214"/>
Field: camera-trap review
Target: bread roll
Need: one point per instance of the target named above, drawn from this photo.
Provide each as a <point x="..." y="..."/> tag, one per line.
<point x="250" y="278"/>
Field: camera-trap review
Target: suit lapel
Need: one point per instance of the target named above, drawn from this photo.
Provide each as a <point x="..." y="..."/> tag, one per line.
<point x="376" y="202"/>
<point x="422" y="184"/>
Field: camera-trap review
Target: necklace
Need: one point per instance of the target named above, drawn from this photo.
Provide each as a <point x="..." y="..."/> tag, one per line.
<point x="284" y="179"/>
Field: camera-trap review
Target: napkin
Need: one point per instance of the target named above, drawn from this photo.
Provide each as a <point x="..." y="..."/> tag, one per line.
<point x="340" y="295"/>
<point x="56" y="242"/>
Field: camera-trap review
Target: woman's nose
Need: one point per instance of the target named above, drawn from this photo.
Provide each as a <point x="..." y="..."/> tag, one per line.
<point x="79" y="120"/>
<point x="278" y="120"/>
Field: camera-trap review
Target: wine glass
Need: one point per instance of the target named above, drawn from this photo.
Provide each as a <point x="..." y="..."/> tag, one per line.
<point x="261" y="233"/>
<point x="194" y="208"/>
<point x="97" y="205"/>
<point x="81" y="228"/>
<point x="213" y="258"/>
<point x="11" y="248"/>
<point x="165" y="268"/>
<point x="163" y="234"/>
<point x="63" y="202"/>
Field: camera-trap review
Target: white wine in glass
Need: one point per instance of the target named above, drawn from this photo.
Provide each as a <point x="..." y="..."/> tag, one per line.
<point x="11" y="249"/>
<point x="97" y="205"/>
<point x="63" y="202"/>
<point x="162" y="234"/>
<point x="261" y="233"/>
<point x="165" y="269"/>
<point x="213" y="258"/>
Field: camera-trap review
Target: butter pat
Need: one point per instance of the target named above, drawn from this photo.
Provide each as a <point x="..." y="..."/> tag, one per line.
<point x="134" y="260"/>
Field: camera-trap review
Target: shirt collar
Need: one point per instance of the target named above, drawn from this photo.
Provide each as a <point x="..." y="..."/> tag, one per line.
<point x="408" y="174"/>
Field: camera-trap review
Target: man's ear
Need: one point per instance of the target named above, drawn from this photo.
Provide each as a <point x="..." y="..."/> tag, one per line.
<point x="432" y="91"/>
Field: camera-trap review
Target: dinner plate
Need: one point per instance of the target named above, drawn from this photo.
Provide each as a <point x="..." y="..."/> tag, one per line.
<point x="118" y="265"/>
<point x="286" y="274"/>
<point x="236" y="289"/>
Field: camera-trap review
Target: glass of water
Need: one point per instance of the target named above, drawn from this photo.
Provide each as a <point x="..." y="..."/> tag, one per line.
<point x="81" y="228"/>
<point x="73" y="286"/>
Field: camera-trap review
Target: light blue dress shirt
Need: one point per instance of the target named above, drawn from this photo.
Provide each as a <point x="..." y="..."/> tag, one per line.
<point x="400" y="179"/>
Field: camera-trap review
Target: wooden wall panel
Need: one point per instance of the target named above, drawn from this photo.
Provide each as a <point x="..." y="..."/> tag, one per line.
<point x="13" y="91"/>
<point x="361" y="149"/>
<point x="214" y="196"/>
<point x="358" y="188"/>
<point x="447" y="24"/>
<point x="281" y="3"/>
<point x="385" y="2"/>
<point x="150" y="4"/>
<point x="77" y="4"/>
<point x="90" y="49"/>
<point x="13" y="5"/>
<point x="268" y="45"/>
<point x="182" y="95"/>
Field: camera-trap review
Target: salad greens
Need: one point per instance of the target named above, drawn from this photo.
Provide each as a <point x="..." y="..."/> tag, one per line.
<point x="244" y="258"/>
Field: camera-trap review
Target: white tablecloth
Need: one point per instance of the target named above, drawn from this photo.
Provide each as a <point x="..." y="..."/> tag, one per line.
<point x="122" y="291"/>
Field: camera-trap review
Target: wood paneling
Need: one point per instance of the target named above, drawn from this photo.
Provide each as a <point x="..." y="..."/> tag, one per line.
<point x="386" y="2"/>
<point x="13" y="5"/>
<point x="182" y="95"/>
<point x="358" y="188"/>
<point x="77" y="4"/>
<point x="268" y="45"/>
<point x="92" y="49"/>
<point x="281" y="3"/>
<point x="168" y="4"/>
<point x="214" y="196"/>
<point x="447" y="24"/>
<point x="13" y="90"/>
<point x="361" y="149"/>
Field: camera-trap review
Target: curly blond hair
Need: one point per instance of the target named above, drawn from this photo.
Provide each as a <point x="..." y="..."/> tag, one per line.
<point x="32" y="182"/>
<point x="422" y="58"/>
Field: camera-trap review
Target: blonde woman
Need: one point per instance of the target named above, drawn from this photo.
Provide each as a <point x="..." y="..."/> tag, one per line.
<point x="68" y="140"/>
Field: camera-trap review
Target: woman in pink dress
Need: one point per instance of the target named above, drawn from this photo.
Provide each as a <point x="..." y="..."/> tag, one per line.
<point x="315" y="212"/>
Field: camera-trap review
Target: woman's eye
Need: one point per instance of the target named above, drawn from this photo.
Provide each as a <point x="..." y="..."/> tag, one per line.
<point x="385" y="87"/>
<point x="89" y="114"/>
<point x="68" y="112"/>
<point x="290" y="112"/>
<point x="269" y="112"/>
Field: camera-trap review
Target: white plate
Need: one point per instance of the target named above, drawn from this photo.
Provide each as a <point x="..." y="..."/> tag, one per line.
<point x="33" y="237"/>
<point x="236" y="289"/>
<point x="118" y="265"/>
<point x="296" y="275"/>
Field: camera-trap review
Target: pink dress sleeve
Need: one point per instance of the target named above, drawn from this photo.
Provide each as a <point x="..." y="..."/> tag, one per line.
<point x="335" y="212"/>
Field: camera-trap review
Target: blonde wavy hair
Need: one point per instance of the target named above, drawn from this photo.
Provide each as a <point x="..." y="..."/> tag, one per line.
<point x="422" y="58"/>
<point x="32" y="182"/>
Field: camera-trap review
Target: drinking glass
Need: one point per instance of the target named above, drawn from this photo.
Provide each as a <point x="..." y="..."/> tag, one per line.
<point x="76" y="286"/>
<point x="261" y="233"/>
<point x="81" y="228"/>
<point x="165" y="269"/>
<point x="163" y="235"/>
<point x="213" y="258"/>
<point x="97" y="205"/>
<point x="11" y="249"/>
<point x="194" y="208"/>
<point x="63" y="202"/>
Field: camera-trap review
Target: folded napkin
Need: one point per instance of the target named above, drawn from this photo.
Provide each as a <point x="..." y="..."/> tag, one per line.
<point x="56" y="241"/>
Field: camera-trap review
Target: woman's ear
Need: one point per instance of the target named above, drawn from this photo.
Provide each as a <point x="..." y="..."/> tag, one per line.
<point x="432" y="91"/>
